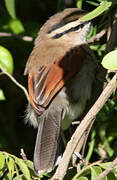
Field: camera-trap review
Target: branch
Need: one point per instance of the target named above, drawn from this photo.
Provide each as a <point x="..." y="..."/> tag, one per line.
<point x="97" y="36"/>
<point x="25" y="38"/>
<point x="22" y="153"/>
<point x="109" y="169"/>
<point x="62" y="168"/>
<point x="14" y="80"/>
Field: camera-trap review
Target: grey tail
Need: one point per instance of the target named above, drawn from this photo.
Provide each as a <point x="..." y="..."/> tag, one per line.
<point x="47" y="148"/>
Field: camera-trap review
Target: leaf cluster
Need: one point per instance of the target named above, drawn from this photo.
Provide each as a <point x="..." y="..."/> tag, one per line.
<point x="14" y="168"/>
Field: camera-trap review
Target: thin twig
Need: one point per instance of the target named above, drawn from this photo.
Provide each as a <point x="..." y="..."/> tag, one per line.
<point x="75" y="122"/>
<point x="109" y="169"/>
<point x="62" y="168"/>
<point x="14" y="80"/>
<point x="97" y="37"/>
<point x="23" y="154"/>
<point x="109" y="27"/>
<point x="77" y="150"/>
<point x="25" y="38"/>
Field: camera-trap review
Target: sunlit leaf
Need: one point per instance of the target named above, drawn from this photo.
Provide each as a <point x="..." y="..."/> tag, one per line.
<point x="110" y="60"/>
<point x="95" y="171"/>
<point x="23" y="168"/>
<point x="29" y="164"/>
<point x="10" y="5"/>
<point x="20" y="177"/>
<point x="7" y="176"/>
<point x="11" y="165"/>
<point x="3" y="171"/>
<point x="6" y="60"/>
<point x="96" y="12"/>
<point x="2" y="160"/>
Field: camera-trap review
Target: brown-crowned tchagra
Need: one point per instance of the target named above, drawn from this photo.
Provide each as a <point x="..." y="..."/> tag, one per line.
<point x="61" y="70"/>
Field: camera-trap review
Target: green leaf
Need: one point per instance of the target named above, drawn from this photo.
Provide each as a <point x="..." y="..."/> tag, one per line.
<point x="110" y="60"/>
<point x="6" y="60"/>
<point x="20" y="177"/>
<point x="105" y="165"/>
<point x="11" y="166"/>
<point x="7" y="176"/>
<point x="2" y="160"/>
<point x="16" y="26"/>
<point x="95" y="171"/>
<point x="31" y="168"/>
<point x="10" y="5"/>
<point x="111" y="176"/>
<point x="2" y="97"/>
<point x="23" y="168"/>
<point x="29" y="164"/>
<point x="3" y="171"/>
<point x="79" y="4"/>
<point x="96" y="12"/>
<point x="83" y="172"/>
<point x="82" y="178"/>
<point x="108" y="148"/>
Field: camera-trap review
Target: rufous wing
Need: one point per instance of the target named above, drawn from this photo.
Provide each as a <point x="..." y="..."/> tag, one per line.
<point x="46" y="83"/>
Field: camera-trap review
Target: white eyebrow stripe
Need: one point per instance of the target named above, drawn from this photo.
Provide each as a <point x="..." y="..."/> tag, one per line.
<point x="64" y="28"/>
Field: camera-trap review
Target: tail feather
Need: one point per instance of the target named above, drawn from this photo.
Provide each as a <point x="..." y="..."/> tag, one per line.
<point x="47" y="142"/>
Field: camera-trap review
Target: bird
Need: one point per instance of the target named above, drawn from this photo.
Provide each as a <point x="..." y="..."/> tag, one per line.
<point x="61" y="72"/>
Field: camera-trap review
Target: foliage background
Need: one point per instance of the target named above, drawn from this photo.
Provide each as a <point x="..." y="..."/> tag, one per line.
<point x="31" y="14"/>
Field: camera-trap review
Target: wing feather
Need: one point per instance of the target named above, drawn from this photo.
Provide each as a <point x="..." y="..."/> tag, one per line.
<point x="46" y="83"/>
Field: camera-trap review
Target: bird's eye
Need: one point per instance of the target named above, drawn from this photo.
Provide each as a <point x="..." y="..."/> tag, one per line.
<point x="78" y="30"/>
<point x="79" y="27"/>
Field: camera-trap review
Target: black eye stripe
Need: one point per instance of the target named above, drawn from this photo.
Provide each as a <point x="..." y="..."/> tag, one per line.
<point x="76" y="28"/>
<point x="67" y="31"/>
